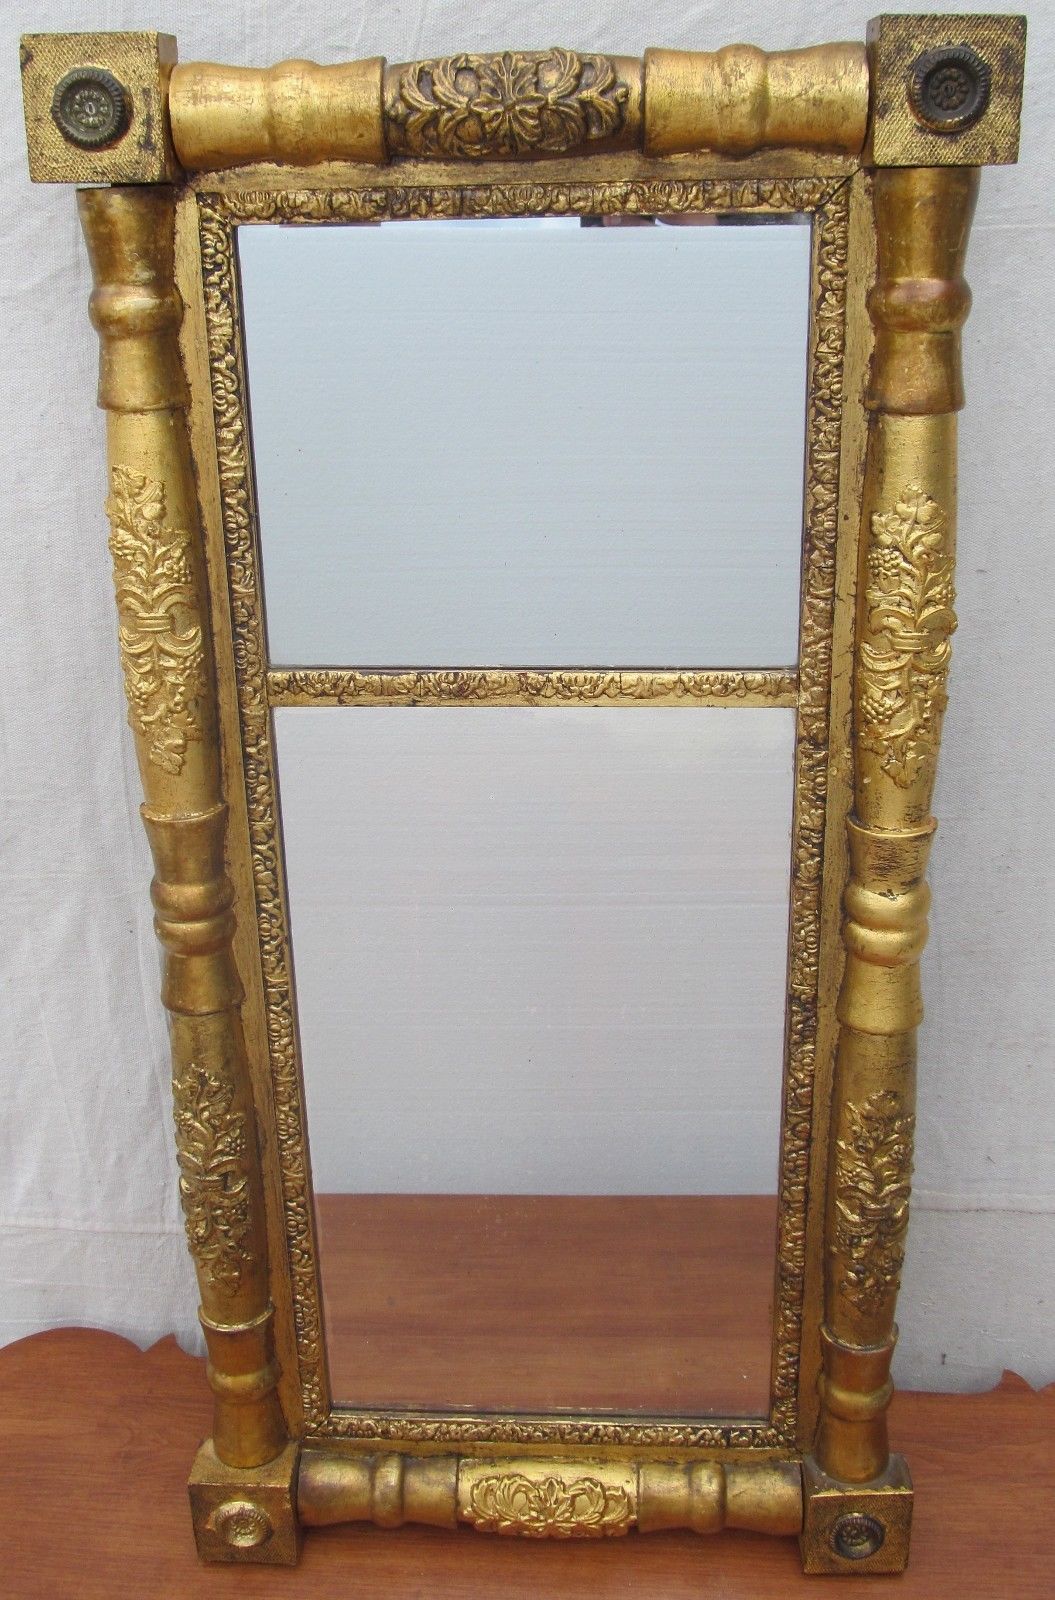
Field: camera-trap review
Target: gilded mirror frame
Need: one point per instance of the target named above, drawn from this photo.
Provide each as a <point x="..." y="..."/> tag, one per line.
<point x="880" y="145"/>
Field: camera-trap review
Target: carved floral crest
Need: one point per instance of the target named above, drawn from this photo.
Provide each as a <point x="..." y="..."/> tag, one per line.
<point x="160" y="632"/>
<point x="909" y="602"/>
<point x="514" y="104"/>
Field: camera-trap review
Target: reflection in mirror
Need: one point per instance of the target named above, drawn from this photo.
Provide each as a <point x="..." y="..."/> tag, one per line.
<point x="528" y="442"/>
<point x="540" y="960"/>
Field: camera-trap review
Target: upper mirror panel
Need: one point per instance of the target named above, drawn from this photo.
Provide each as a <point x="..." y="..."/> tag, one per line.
<point x="529" y="443"/>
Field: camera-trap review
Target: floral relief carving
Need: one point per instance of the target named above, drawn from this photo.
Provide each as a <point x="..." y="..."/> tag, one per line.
<point x="481" y="685"/>
<point x="521" y="102"/>
<point x="630" y="197"/>
<point x="909" y="609"/>
<point x="873" y="1171"/>
<point x="549" y="1508"/>
<point x="160" y="634"/>
<point x="214" y="1183"/>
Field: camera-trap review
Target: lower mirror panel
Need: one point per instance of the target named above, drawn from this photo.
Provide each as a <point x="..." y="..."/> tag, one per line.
<point x="541" y="960"/>
<point x="509" y="1301"/>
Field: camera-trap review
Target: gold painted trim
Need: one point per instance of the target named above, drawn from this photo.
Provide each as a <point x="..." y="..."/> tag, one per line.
<point x="219" y="213"/>
<point x="502" y="686"/>
<point x="539" y="1497"/>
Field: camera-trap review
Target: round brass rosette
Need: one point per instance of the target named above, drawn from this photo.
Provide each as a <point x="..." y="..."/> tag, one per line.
<point x="91" y="108"/>
<point x="242" y="1525"/>
<point x="948" y="89"/>
<point x="855" y="1537"/>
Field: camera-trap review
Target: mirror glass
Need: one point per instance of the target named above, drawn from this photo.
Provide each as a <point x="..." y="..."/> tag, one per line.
<point x="540" y="961"/>
<point x="540" y="953"/>
<point x="528" y="443"/>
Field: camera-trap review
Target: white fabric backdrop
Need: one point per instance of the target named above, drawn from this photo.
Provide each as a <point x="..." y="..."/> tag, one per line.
<point x="89" y="1225"/>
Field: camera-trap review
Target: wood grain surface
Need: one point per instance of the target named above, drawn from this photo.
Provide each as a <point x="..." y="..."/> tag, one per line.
<point x="664" y="1302"/>
<point x="96" y="1438"/>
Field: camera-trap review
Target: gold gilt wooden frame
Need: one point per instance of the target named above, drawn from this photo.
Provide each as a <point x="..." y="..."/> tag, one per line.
<point x="880" y="144"/>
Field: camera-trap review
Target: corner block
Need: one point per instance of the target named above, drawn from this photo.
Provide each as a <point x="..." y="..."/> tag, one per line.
<point x="946" y="91"/>
<point x="856" y="1527"/>
<point x="96" y="107"/>
<point x="246" y="1514"/>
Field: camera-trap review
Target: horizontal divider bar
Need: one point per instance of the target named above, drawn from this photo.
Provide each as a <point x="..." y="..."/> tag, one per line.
<point x="511" y="686"/>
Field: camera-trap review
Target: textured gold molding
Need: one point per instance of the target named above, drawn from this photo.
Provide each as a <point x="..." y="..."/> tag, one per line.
<point x="502" y="686"/>
<point x="549" y="1498"/>
<point x="519" y="197"/>
<point x="256" y="687"/>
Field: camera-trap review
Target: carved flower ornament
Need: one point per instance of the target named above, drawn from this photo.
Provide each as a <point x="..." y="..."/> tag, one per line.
<point x="508" y="104"/>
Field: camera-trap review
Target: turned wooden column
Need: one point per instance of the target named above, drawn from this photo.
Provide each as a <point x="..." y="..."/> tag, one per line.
<point x="905" y="620"/>
<point x="166" y="654"/>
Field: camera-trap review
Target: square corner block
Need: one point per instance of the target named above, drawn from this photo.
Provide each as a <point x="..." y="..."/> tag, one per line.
<point x="946" y="91"/>
<point x="246" y="1514"/>
<point x="96" y="107"/>
<point x="856" y="1528"/>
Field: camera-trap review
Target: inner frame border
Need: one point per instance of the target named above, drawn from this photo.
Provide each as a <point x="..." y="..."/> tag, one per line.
<point x="219" y="213"/>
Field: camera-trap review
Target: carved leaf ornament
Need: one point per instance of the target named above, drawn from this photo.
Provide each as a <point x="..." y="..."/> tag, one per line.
<point x="549" y="1508"/>
<point x="872" y="1186"/>
<point x="909" y="601"/>
<point x="160" y="632"/>
<point x="214" y="1183"/>
<point x="512" y="104"/>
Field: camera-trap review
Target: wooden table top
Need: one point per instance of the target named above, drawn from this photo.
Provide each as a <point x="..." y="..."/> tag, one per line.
<point x="96" y="1439"/>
